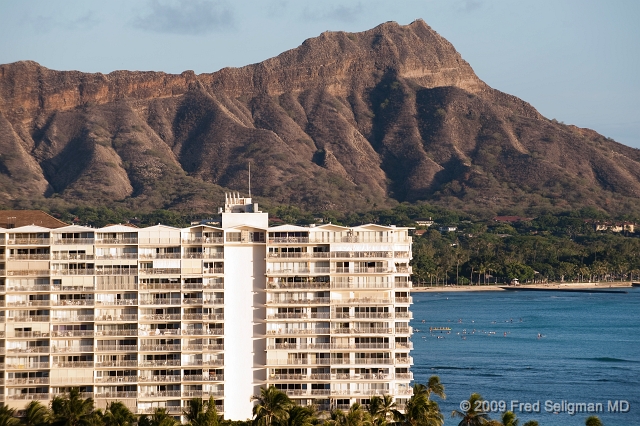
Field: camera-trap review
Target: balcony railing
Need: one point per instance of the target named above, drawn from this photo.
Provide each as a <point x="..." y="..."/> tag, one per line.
<point x="116" y="379"/>
<point x="162" y="378"/>
<point x="31" y="318"/>
<point x="298" y="285"/>
<point x="159" y="271"/>
<point x="161" y="301"/>
<point x="29" y="241"/>
<point x="29" y="272"/>
<point x="29" y="334"/>
<point x="74" y="241"/>
<point x="159" y="348"/>
<point x="73" y="364"/>
<point x="27" y="366"/>
<point x="159" y="363"/>
<point x="203" y="240"/>
<point x="28" y="396"/>
<point x="73" y="318"/>
<point x="300" y="315"/>
<point x="28" y="381"/>
<point x="160" y="394"/>
<point x="311" y="301"/>
<point x="117" y="348"/>
<point x="99" y="240"/>
<point x="30" y="349"/>
<point x="23" y="303"/>
<point x="116" y="395"/>
<point x="203" y="378"/>
<point x="299" y="331"/>
<point x="73" y="272"/>
<point x="125" y="332"/>
<point x="71" y="349"/>
<point x="118" y="363"/>
<point x="74" y="302"/>
<point x="363" y="330"/>
<point x="42" y="256"/>
<point x="120" y="317"/>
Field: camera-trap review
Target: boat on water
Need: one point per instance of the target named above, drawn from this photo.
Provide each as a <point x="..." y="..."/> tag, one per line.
<point x="440" y="329"/>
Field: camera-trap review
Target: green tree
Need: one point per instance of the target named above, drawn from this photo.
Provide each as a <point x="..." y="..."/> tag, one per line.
<point x="118" y="414"/>
<point x="271" y="408"/>
<point x="381" y="409"/>
<point x="200" y="413"/>
<point x="160" y="417"/>
<point x="356" y="416"/>
<point x="419" y="410"/>
<point x="73" y="410"/>
<point x="300" y="416"/>
<point x="593" y="421"/>
<point x="7" y="416"/>
<point x="35" y="414"/>
<point x="472" y="416"/>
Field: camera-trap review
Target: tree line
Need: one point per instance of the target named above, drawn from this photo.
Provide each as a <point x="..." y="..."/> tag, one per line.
<point x="272" y="408"/>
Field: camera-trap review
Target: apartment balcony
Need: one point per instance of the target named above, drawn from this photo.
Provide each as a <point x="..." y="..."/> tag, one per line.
<point x="286" y="272"/>
<point x="160" y="363"/>
<point x="29" y="288"/>
<point x="362" y="330"/>
<point x="25" y="303"/>
<point x="203" y="240"/>
<point x="405" y="360"/>
<point x="74" y="318"/>
<point x="289" y="331"/>
<point x="404" y="315"/>
<point x="29" y="273"/>
<point x="174" y="409"/>
<point x="203" y="378"/>
<point x="404" y="284"/>
<point x="29" y="241"/>
<point x="404" y="300"/>
<point x="213" y="362"/>
<point x="131" y="256"/>
<point x="39" y="256"/>
<point x="116" y="240"/>
<point x="160" y="348"/>
<point x="213" y="347"/>
<point x="27" y="366"/>
<point x="116" y="271"/>
<point x="116" y="395"/>
<point x="298" y="286"/>
<point x="117" y="363"/>
<point x="404" y="376"/>
<point x="117" y="348"/>
<point x="293" y="346"/>
<point x="160" y="271"/>
<point x="299" y="361"/>
<point x="201" y="317"/>
<point x="161" y="301"/>
<point x="202" y="394"/>
<point x="143" y="256"/>
<point x="368" y="315"/>
<point x="162" y="317"/>
<point x="363" y="376"/>
<point x="28" y="334"/>
<point x="160" y="286"/>
<point x="372" y="361"/>
<point x="210" y="271"/>
<point x="361" y="285"/>
<point x="71" y="349"/>
<point x="27" y="381"/>
<point x="361" y="346"/>
<point x="159" y="394"/>
<point x="28" y="396"/>
<point x="364" y="254"/>
<point x="404" y="330"/>
<point x="201" y="255"/>
<point x="32" y="318"/>
<point x="300" y="315"/>
<point x="362" y="301"/>
<point x="123" y="317"/>
<point x="278" y="377"/>
<point x="29" y="350"/>
<point x="73" y="241"/>
<point x="192" y="301"/>
<point x="116" y="379"/>
<point x="214" y="301"/>
<point x="404" y="392"/>
<point x="72" y="302"/>
<point x="404" y="345"/>
<point x="159" y="378"/>
<point x="73" y="272"/>
<point x="312" y="301"/>
<point x="117" y="302"/>
<point x="72" y="364"/>
<point x="288" y="240"/>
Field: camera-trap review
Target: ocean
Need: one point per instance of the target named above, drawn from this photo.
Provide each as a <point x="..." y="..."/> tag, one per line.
<point x="543" y="348"/>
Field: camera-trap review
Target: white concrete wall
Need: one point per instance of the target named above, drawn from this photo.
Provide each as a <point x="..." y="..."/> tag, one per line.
<point x="244" y="331"/>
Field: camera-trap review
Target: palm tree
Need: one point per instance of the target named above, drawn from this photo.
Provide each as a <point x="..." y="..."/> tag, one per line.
<point x="300" y="416"/>
<point x="272" y="407"/>
<point x="160" y="417"/>
<point x="509" y="418"/>
<point x="434" y="386"/>
<point x="356" y="416"/>
<point x="201" y="413"/>
<point x="381" y="409"/>
<point x="7" y="416"/>
<point x="419" y="410"/>
<point x="472" y="417"/>
<point x="118" y="414"/>
<point x="72" y="410"/>
<point x="593" y="421"/>
<point x="35" y="414"/>
<point x="531" y="423"/>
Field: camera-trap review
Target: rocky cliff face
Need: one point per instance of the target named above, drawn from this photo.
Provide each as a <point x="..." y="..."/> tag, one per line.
<point x="345" y="121"/>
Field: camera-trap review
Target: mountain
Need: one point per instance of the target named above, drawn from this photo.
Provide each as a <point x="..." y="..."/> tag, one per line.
<point x="346" y="121"/>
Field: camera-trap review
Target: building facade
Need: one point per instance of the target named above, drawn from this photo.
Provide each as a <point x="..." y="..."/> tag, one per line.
<point x="156" y="316"/>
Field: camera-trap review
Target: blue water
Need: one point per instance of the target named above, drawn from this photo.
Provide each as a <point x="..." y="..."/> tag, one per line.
<point x="589" y="352"/>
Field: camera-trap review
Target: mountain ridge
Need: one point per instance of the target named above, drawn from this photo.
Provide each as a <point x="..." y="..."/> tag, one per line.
<point x="345" y="121"/>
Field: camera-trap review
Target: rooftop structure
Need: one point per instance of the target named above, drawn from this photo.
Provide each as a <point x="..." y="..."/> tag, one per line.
<point x="156" y="316"/>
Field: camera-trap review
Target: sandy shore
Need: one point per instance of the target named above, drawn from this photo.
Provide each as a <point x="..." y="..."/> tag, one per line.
<point x="601" y="285"/>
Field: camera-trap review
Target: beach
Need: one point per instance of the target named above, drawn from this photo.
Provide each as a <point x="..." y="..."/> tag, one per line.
<point x="499" y="287"/>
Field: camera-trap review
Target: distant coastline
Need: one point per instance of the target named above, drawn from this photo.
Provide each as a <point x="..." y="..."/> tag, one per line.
<point x="498" y="287"/>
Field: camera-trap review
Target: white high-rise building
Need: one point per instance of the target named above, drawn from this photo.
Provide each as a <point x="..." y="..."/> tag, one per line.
<point x="156" y="316"/>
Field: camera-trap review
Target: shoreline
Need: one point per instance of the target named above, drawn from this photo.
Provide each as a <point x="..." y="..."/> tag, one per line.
<point x="498" y="287"/>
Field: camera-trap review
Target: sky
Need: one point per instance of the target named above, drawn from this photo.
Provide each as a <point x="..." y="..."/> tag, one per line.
<point x="577" y="61"/>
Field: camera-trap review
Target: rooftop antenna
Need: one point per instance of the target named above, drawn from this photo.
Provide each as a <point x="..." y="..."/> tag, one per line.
<point x="249" y="179"/>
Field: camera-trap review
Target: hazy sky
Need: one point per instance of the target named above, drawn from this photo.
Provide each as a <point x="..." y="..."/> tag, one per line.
<point x="574" y="60"/>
